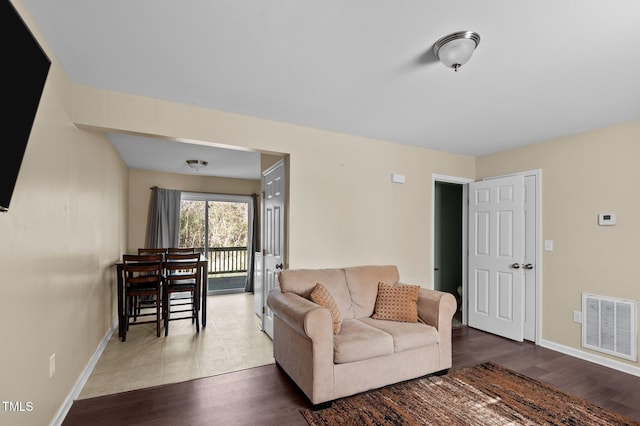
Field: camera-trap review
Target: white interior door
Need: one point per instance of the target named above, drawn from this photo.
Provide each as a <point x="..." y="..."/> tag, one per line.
<point x="496" y="297"/>
<point x="273" y="242"/>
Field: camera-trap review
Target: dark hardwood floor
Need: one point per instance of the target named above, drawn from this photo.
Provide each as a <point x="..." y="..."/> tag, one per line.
<point x="265" y="396"/>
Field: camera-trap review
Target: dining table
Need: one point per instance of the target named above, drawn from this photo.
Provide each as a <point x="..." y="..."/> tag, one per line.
<point x="202" y="263"/>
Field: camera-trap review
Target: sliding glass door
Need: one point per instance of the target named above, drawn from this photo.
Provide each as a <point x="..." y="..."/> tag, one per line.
<point x="219" y="225"/>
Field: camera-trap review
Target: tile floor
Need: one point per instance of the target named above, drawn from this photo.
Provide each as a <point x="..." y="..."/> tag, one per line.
<point x="231" y="341"/>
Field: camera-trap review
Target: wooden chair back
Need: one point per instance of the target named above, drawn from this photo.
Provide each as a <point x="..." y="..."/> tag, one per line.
<point x="142" y="269"/>
<point x="150" y="250"/>
<point x="181" y="250"/>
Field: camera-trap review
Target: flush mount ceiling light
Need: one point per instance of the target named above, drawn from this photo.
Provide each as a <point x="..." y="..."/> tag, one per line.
<point x="197" y="164"/>
<point x="456" y="49"/>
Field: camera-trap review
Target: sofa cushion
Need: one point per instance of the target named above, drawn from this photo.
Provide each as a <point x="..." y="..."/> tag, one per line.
<point x="363" y="286"/>
<point x="397" y="302"/>
<point x="303" y="281"/>
<point x="405" y="335"/>
<point x="323" y="297"/>
<point x="358" y="341"/>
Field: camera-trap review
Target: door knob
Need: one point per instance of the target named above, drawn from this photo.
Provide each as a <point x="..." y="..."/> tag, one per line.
<point x="279" y="266"/>
<point x="515" y="265"/>
<point x="527" y="266"/>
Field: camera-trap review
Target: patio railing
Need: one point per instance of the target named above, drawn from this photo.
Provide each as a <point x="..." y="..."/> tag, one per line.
<point x="227" y="260"/>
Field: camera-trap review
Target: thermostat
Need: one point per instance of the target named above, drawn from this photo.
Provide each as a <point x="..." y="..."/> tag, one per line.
<point x="607" y="219"/>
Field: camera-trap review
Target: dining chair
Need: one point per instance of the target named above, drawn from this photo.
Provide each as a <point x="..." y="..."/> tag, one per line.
<point x="142" y="278"/>
<point x="181" y="250"/>
<point x="147" y="301"/>
<point x="150" y="250"/>
<point x="181" y="289"/>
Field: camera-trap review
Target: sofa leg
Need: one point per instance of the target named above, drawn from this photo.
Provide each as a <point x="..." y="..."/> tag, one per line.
<point x="441" y="372"/>
<point x="321" y="406"/>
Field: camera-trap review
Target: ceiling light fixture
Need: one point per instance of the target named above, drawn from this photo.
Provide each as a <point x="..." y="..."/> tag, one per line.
<point x="456" y="49"/>
<point x="197" y="164"/>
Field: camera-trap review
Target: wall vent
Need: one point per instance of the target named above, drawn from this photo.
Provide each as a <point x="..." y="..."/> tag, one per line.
<point x="609" y="326"/>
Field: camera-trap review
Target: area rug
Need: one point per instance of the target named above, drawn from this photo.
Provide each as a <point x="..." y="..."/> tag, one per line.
<point x="486" y="394"/>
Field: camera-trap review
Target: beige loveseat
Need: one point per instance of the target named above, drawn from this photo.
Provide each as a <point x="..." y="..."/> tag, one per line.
<point x="366" y="353"/>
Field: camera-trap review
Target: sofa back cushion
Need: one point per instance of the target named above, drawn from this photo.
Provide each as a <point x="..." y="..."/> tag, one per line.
<point x="303" y="281"/>
<point x="363" y="286"/>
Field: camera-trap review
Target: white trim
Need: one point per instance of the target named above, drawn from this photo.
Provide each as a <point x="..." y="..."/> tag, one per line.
<point x="451" y="179"/>
<point x="597" y="359"/>
<point x="82" y="380"/>
<point x="465" y="211"/>
<point x="539" y="267"/>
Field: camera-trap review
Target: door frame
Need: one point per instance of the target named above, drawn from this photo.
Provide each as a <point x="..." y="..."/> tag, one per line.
<point x="465" y="228"/>
<point x="537" y="173"/>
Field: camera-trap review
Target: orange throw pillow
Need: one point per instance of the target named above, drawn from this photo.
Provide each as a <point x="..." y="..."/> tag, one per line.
<point x="397" y="302"/>
<point x="322" y="297"/>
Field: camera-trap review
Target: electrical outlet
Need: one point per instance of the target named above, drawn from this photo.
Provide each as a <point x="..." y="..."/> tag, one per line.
<point x="52" y="365"/>
<point x="577" y="316"/>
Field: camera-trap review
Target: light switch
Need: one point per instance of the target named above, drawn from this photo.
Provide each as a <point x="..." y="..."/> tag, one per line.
<point x="548" y="245"/>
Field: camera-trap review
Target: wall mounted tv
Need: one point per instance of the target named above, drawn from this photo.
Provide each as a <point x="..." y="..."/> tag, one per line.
<point x="24" y="74"/>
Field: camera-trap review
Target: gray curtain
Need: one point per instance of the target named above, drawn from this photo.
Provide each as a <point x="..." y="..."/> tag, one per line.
<point x="163" y="224"/>
<point x="254" y="244"/>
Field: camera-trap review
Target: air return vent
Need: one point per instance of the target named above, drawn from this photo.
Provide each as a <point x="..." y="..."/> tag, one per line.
<point x="609" y="326"/>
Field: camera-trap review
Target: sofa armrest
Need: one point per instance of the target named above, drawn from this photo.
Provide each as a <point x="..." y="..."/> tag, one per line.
<point x="436" y="308"/>
<point x="303" y="343"/>
<point x="302" y="315"/>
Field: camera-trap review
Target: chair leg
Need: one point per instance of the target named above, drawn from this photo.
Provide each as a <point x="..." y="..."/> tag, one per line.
<point x="129" y="313"/>
<point x="196" y="307"/>
<point x="193" y="305"/>
<point x="158" y="315"/>
<point x="162" y="299"/>
<point x="125" y="319"/>
<point x="166" y="310"/>
<point x="195" y="317"/>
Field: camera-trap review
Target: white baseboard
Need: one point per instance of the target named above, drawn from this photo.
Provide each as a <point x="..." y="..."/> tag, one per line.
<point x="82" y="380"/>
<point x="597" y="359"/>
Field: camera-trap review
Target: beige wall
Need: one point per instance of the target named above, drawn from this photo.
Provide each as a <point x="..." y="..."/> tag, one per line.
<point x="343" y="209"/>
<point x="65" y="229"/>
<point x="139" y="195"/>
<point x="583" y="175"/>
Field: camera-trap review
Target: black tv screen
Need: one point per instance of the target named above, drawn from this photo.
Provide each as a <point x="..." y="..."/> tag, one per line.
<point x="25" y="68"/>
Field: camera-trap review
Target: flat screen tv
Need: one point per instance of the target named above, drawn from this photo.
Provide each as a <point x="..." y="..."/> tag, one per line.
<point x="24" y="72"/>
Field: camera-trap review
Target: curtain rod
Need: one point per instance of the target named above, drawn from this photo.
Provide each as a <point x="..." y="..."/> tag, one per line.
<point x="215" y="193"/>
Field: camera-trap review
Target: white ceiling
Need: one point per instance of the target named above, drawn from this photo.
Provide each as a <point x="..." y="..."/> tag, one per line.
<point x="170" y="156"/>
<point x="543" y="69"/>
